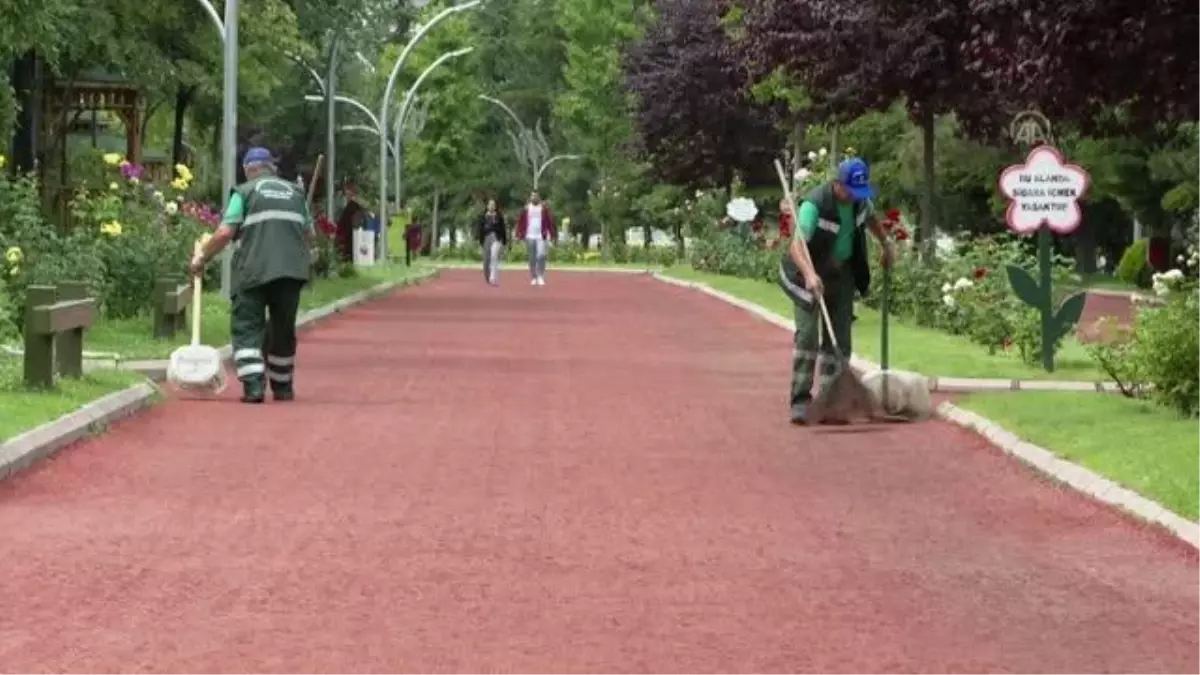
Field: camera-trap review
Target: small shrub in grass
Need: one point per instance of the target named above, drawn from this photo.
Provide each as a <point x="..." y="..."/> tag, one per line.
<point x="1114" y="348"/>
<point x="1133" y="268"/>
<point x="733" y="255"/>
<point x="1027" y="335"/>
<point x="8" y="313"/>
<point x="1168" y="350"/>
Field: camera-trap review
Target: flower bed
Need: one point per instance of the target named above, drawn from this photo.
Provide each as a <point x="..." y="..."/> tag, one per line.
<point x="124" y="234"/>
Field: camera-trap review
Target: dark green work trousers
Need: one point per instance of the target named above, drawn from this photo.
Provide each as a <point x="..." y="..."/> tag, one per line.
<point x="264" y="320"/>
<point x="811" y="343"/>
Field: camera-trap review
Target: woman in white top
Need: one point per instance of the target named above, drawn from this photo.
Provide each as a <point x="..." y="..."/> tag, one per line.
<point x="536" y="227"/>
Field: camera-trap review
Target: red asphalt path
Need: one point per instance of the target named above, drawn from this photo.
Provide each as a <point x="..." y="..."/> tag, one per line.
<point x="596" y="475"/>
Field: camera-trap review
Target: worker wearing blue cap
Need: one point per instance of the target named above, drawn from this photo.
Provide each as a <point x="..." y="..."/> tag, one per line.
<point x="832" y="219"/>
<point x="268" y="217"/>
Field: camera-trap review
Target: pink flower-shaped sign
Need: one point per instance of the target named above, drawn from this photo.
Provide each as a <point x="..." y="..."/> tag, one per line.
<point x="1044" y="190"/>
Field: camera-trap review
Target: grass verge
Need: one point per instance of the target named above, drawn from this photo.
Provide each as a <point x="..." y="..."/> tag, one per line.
<point x="134" y="338"/>
<point x="915" y="348"/>
<point x="1143" y="447"/>
<point x="25" y="409"/>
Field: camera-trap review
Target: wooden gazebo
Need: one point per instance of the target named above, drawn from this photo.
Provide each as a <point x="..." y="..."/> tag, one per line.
<point x="94" y="91"/>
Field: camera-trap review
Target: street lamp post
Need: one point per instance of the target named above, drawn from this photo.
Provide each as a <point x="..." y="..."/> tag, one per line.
<point x="405" y="107"/>
<point x="387" y="100"/>
<point x="228" y="29"/>
<point x="415" y="125"/>
<point x="331" y="123"/>
<point x="529" y="147"/>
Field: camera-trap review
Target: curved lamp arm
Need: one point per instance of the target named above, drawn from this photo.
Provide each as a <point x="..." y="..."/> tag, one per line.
<point x="315" y="75"/>
<point x="412" y="91"/>
<point x="313" y="98"/>
<point x="542" y="168"/>
<point x="497" y="102"/>
<point x="370" y="130"/>
<point x="214" y="16"/>
<point x="386" y="102"/>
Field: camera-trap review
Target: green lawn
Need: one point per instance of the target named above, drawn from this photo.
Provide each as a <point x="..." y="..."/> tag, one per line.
<point x="25" y="410"/>
<point x="1106" y="283"/>
<point x="1146" y="448"/>
<point x="914" y="348"/>
<point x="133" y="338"/>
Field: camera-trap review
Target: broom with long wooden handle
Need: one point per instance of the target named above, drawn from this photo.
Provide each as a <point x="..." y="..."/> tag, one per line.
<point x="844" y="396"/>
<point x="196" y="367"/>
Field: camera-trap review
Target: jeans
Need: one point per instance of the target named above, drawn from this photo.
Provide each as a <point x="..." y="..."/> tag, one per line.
<point x="537" y="257"/>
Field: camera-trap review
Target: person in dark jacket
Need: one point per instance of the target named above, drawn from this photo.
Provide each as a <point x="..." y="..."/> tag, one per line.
<point x="412" y="241"/>
<point x="493" y="237"/>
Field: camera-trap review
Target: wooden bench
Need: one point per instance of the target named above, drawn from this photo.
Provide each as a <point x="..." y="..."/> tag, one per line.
<point x="55" y="318"/>
<point x="171" y="299"/>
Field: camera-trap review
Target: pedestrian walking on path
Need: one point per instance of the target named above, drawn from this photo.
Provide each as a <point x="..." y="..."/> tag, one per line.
<point x="832" y="219"/>
<point x="268" y="218"/>
<point x="536" y="227"/>
<point x="412" y="242"/>
<point x="493" y="237"/>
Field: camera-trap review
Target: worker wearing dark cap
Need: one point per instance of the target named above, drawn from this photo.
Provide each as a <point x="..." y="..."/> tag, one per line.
<point x="268" y="218"/>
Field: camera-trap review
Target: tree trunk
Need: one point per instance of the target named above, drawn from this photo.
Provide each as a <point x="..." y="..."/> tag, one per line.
<point x="926" y="236"/>
<point x="150" y="110"/>
<point x="435" y="238"/>
<point x="183" y="98"/>
<point x="27" y="85"/>
<point x="647" y="236"/>
<point x="834" y="151"/>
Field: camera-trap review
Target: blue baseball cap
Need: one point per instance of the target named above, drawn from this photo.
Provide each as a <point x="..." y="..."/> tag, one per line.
<point x="257" y="156"/>
<point x="854" y="174"/>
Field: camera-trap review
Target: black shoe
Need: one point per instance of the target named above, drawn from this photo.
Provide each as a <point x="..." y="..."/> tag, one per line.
<point x="252" y="392"/>
<point x="288" y="394"/>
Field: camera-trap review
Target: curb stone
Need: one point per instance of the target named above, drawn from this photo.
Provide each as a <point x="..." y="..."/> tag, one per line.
<point x="1045" y="461"/>
<point x="1073" y="475"/>
<point x="156" y="369"/>
<point x="22" y="451"/>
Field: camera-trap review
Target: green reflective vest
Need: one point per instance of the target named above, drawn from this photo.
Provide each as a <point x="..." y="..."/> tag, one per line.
<point x="821" y="245"/>
<point x="271" y="236"/>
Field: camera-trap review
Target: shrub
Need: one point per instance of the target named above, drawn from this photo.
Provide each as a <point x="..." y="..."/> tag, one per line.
<point x="1167" y="350"/>
<point x="36" y="252"/>
<point x="730" y="254"/>
<point x="1133" y="268"/>
<point x="139" y="232"/>
<point x="1114" y="349"/>
<point x="8" y="313"/>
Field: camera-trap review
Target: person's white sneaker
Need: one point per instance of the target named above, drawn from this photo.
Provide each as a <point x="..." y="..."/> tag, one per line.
<point x="533" y="282"/>
<point x="541" y="281"/>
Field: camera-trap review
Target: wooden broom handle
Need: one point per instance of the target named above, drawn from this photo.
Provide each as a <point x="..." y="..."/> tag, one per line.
<point x="791" y="201"/>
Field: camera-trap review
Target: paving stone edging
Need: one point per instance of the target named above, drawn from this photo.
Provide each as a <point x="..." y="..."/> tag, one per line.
<point x="1045" y="461"/>
<point x="20" y="452"/>
<point x="156" y="369"/>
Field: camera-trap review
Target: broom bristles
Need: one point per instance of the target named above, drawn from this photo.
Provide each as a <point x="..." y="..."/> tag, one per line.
<point x="844" y="399"/>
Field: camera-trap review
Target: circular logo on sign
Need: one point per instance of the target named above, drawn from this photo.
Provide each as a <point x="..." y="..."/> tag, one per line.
<point x="1030" y="128"/>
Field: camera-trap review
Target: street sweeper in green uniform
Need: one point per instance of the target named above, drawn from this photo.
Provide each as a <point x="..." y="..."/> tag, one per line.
<point x="831" y="219"/>
<point x="268" y="218"/>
